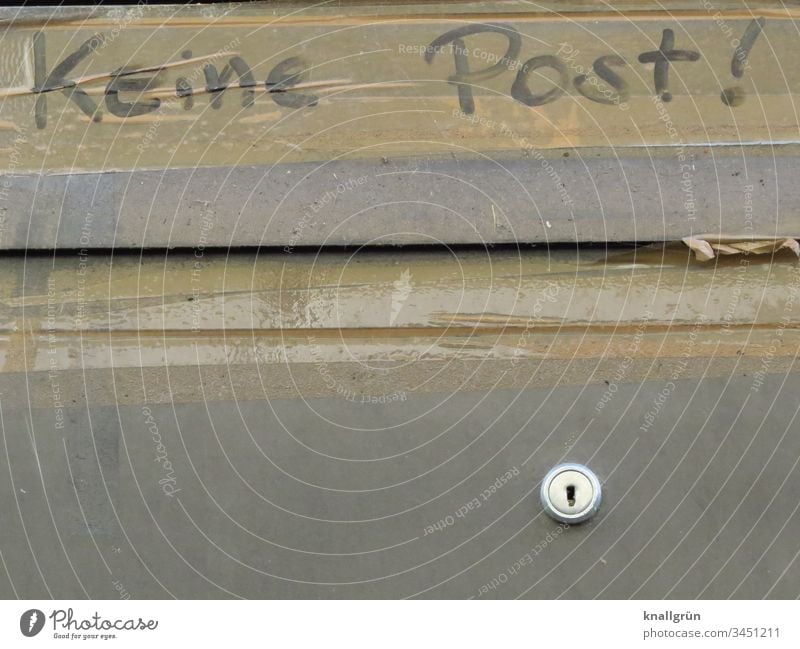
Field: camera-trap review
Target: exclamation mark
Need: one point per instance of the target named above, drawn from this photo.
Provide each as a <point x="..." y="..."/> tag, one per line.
<point x="734" y="96"/>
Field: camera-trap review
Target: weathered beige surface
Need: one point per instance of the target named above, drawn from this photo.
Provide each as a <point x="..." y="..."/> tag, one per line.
<point x="263" y="325"/>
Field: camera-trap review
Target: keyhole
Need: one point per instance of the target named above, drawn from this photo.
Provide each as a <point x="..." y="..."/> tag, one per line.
<point x="571" y="495"/>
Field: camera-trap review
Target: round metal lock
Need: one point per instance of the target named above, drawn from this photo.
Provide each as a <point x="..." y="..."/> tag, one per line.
<point x="570" y="493"/>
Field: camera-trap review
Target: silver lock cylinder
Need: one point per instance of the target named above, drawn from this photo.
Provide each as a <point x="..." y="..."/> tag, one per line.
<point x="570" y="493"/>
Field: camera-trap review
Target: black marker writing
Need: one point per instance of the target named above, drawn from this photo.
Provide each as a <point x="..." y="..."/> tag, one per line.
<point x="662" y="57"/>
<point x="282" y="77"/>
<point x="464" y="76"/>
<point x="217" y="82"/>
<point x="57" y="80"/>
<point x="603" y="70"/>
<point x="520" y="90"/>
<point x="739" y="60"/>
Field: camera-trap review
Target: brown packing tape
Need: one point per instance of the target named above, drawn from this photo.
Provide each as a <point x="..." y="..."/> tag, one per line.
<point x="85" y="94"/>
<point x="708" y="247"/>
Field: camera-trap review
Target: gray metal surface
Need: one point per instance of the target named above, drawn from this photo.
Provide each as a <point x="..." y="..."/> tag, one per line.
<point x="330" y="498"/>
<point x="581" y="195"/>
